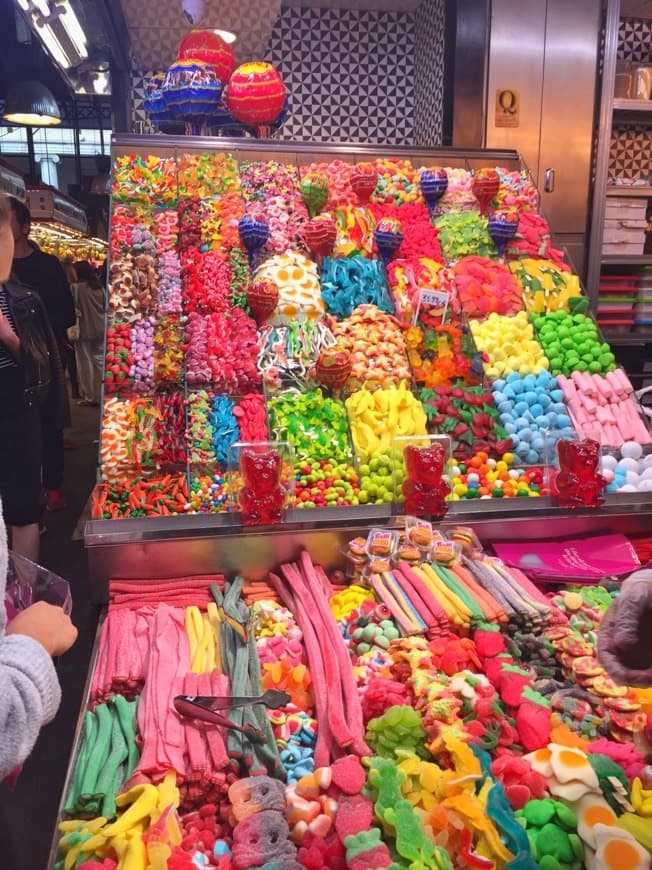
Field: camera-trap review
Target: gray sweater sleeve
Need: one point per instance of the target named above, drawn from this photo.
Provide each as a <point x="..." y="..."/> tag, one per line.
<point x="29" y="688"/>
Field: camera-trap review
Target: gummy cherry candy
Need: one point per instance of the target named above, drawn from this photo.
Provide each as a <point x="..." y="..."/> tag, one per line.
<point x="262" y="497"/>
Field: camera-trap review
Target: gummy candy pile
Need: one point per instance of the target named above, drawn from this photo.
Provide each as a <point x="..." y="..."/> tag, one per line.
<point x="441" y="712"/>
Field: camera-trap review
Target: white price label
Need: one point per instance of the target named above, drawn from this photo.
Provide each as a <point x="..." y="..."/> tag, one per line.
<point x="432" y="299"/>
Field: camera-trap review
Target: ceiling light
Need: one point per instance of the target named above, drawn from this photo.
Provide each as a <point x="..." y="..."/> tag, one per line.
<point x="101" y="83"/>
<point x="24" y="4"/>
<point x="57" y="25"/>
<point x="227" y="35"/>
<point x="53" y="46"/>
<point x="32" y="104"/>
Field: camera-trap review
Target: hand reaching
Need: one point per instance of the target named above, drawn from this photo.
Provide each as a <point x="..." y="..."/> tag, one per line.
<point x="46" y="624"/>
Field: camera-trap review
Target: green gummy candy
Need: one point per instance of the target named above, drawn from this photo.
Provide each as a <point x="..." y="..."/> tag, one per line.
<point x="357" y="844"/>
<point x="549" y="862"/>
<point x="577" y="846"/>
<point x="566" y="816"/>
<point x="539" y="812"/>
<point x="553" y="841"/>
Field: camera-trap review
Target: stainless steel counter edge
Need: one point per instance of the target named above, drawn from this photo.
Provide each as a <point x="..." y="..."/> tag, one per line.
<point x="102" y="533"/>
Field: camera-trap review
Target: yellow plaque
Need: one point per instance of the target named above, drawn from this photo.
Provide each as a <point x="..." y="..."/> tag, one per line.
<point x="508" y="107"/>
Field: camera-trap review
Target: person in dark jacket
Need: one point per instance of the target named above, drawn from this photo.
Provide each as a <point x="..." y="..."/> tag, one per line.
<point x="44" y="273"/>
<point x="31" y="382"/>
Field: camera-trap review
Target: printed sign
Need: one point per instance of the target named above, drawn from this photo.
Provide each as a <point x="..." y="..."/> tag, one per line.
<point x="508" y="107"/>
<point x="432" y="302"/>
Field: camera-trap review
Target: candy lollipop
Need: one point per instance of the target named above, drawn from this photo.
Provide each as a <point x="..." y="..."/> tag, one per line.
<point x="364" y="179"/>
<point x="502" y="226"/>
<point x="485" y="186"/>
<point x="333" y="368"/>
<point x="314" y="192"/>
<point x="433" y="183"/>
<point x="320" y="234"/>
<point x="388" y="235"/>
<point x="253" y="235"/>
<point x="262" y="299"/>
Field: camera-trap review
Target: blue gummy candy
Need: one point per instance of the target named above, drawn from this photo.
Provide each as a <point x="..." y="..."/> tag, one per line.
<point x="563" y="421"/>
<point x="521" y="408"/>
<point x="512" y="377"/>
<point x="518" y="387"/>
<point x="499" y="384"/>
<point x="536" y="410"/>
<point x="530" y="397"/>
<point x="525" y="435"/>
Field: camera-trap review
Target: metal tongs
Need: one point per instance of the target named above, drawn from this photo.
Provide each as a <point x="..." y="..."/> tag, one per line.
<point x="205" y="708"/>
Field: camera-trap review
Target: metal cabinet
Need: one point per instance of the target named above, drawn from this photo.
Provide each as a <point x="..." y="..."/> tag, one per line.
<point x="543" y="62"/>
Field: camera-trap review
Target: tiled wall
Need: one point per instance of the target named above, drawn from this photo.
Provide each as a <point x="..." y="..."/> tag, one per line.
<point x="429" y="24"/>
<point x="630" y="154"/>
<point x="354" y="75"/>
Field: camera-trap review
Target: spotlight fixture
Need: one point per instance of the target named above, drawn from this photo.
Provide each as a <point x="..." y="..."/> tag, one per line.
<point x="32" y="104"/>
<point x="227" y="35"/>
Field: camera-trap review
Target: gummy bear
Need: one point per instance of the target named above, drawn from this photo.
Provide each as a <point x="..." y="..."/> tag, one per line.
<point x="578" y="481"/>
<point x="424" y="490"/>
<point x="262" y="497"/>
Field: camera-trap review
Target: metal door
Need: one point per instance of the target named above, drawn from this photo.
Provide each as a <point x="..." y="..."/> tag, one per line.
<point x="546" y="53"/>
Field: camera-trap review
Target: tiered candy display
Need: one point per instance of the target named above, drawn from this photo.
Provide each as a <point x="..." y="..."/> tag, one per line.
<point x="409" y="294"/>
<point x="438" y="710"/>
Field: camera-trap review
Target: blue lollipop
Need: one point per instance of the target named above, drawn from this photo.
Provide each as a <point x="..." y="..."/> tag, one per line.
<point x="433" y="184"/>
<point x="388" y="235"/>
<point x="502" y="226"/>
<point x="253" y="235"/>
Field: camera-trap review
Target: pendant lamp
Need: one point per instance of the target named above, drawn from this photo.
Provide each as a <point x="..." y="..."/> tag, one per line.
<point x="32" y="104"/>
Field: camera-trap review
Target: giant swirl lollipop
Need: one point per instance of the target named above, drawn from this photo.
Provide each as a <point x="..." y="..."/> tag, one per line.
<point x="502" y="226"/>
<point x="485" y="186"/>
<point x="320" y="234"/>
<point x="191" y="91"/>
<point x="333" y="368"/>
<point x="262" y="299"/>
<point x="253" y="235"/>
<point x="364" y="179"/>
<point x="433" y="184"/>
<point x="388" y="235"/>
<point x="314" y="192"/>
<point x="209" y="47"/>
<point x="256" y="95"/>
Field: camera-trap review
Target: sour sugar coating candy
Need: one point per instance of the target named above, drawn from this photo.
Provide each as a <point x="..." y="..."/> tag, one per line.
<point x="207" y="174"/>
<point x="420" y="238"/>
<point x="355" y="231"/>
<point x="486" y="287"/>
<point x="545" y="287"/>
<point x="119" y="359"/>
<point x="532" y="240"/>
<point x="375" y="341"/>
<point x="407" y="277"/>
<point x="530" y="407"/>
<point x="464" y="234"/>
<point x="298" y="285"/>
<point x="509" y="345"/>
<point x="517" y="190"/>
<point x="571" y="343"/>
<point x="398" y="181"/>
<point x="145" y="178"/>
<point x="260" y="838"/>
<point x="254" y="794"/>
<point x="351" y="281"/>
<point x="458" y="196"/>
<point x="338" y="175"/>
<point x="326" y="484"/>
<point x="168" y="352"/>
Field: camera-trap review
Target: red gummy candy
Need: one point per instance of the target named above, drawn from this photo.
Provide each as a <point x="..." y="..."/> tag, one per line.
<point x="354" y="815"/>
<point x="489" y="643"/>
<point x="424" y="490"/>
<point x="348" y="775"/>
<point x="374" y="859"/>
<point x="578" y="482"/>
<point x="262" y="498"/>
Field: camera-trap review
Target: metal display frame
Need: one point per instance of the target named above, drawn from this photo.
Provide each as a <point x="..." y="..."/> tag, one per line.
<point x="158" y="547"/>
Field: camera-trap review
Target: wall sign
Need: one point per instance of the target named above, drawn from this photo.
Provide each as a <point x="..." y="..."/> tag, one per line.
<point x="508" y="107"/>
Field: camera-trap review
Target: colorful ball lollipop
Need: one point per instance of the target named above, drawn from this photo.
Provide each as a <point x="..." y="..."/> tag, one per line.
<point x="433" y="183"/>
<point x="253" y="235"/>
<point x="502" y="226"/>
<point x="364" y="179"/>
<point x="320" y="234"/>
<point x="262" y="299"/>
<point x="314" y="192"/>
<point x="388" y="235"/>
<point x="485" y="186"/>
<point x="209" y="47"/>
<point x="256" y="95"/>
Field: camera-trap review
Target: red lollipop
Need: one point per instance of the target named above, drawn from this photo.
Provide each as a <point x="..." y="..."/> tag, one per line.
<point x="262" y="299"/>
<point x="333" y="367"/>
<point x="209" y="47"/>
<point x="320" y="234"/>
<point x="485" y="186"/>
<point x="364" y="179"/>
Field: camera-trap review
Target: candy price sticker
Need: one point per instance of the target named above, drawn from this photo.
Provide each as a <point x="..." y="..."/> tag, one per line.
<point x="433" y="303"/>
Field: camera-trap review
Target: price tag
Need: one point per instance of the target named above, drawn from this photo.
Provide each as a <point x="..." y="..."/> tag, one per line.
<point x="434" y="302"/>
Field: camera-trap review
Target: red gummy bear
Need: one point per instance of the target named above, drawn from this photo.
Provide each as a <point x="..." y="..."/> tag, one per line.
<point x="424" y="490"/>
<point x="578" y="481"/>
<point x="262" y="497"/>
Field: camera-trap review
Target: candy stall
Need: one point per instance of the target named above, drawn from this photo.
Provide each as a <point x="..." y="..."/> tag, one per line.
<point x="369" y="477"/>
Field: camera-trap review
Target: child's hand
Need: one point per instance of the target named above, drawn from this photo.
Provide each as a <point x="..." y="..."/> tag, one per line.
<point x="46" y="624"/>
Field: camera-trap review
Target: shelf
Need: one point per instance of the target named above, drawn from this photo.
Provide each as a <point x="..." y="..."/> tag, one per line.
<point x="633" y="107"/>
<point x="628" y="338"/>
<point x="644" y="191"/>
<point x="631" y="260"/>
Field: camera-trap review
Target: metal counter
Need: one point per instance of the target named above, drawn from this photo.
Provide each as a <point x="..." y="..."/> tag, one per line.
<point x="160" y="547"/>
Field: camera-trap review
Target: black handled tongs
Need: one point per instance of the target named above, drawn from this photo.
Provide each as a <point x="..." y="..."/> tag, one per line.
<point x="206" y="707"/>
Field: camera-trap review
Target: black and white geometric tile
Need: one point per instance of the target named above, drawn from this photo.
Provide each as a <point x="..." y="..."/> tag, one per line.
<point x="635" y="40"/>
<point x="349" y="74"/>
<point x="630" y="150"/>
<point x="430" y="20"/>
